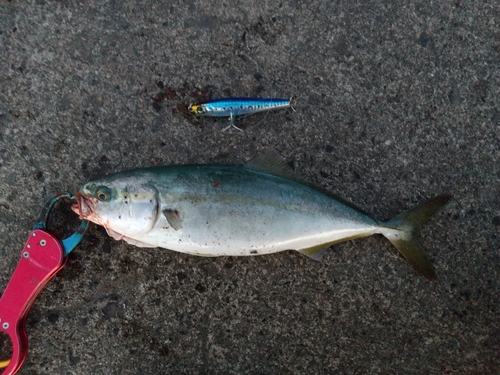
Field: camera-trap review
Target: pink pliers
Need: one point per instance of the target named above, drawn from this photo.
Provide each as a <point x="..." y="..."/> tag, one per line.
<point x="41" y="258"/>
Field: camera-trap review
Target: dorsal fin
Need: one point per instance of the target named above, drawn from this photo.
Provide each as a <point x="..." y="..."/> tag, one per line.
<point x="271" y="162"/>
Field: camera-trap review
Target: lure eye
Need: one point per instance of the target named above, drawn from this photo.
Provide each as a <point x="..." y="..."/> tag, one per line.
<point x="196" y="109"/>
<point x="103" y="193"/>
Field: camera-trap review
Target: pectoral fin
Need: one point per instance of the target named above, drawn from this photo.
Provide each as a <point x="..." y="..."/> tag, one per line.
<point x="173" y="218"/>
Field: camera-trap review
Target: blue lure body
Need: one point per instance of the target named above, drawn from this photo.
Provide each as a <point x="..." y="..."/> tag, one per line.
<point x="238" y="106"/>
<point x="231" y="107"/>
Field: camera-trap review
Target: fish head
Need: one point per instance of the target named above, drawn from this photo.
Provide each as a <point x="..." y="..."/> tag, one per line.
<point x="122" y="205"/>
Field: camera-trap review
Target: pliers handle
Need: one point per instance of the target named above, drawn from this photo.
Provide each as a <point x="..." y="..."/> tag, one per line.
<point x="42" y="257"/>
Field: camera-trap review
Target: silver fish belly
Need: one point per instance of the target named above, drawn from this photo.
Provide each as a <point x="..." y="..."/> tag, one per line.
<point x="260" y="208"/>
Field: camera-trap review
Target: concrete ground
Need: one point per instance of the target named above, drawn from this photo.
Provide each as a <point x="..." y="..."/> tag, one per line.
<point x="397" y="101"/>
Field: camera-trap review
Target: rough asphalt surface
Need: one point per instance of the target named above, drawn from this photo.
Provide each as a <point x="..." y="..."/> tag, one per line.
<point x="396" y="102"/>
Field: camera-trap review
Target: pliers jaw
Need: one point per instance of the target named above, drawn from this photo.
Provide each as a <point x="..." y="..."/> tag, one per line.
<point x="72" y="241"/>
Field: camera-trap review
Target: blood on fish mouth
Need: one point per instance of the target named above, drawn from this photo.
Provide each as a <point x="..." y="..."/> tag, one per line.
<point x="76" y="208"/>
<point x="85" y="207"/>
<point x="82" y="207"/>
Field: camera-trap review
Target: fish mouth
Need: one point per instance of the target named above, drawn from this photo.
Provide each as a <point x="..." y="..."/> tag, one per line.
<point x="83" y="205"/>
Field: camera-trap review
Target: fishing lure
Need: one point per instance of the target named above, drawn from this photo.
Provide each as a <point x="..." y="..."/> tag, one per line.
<point x="231" y="107"/>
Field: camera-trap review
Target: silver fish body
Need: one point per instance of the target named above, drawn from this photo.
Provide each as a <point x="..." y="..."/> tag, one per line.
<point x="260" y="208"/>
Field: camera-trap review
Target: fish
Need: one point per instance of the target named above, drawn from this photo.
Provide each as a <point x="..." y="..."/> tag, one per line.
<point x="231" y="107"/>
<point x="259" y="208"/>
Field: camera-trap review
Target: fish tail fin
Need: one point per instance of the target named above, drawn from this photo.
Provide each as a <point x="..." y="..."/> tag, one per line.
<point x="405" y="233"/>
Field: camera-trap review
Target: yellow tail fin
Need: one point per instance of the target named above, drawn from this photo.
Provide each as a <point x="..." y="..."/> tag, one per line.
<point x="406" y="236"/>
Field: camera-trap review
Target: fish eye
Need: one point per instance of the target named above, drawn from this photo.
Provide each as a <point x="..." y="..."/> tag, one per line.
<point x="103" y="193"/>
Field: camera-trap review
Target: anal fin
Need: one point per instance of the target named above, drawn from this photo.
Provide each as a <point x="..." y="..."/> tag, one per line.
<point x="315" y="252"/>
